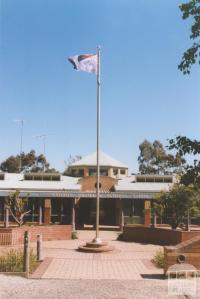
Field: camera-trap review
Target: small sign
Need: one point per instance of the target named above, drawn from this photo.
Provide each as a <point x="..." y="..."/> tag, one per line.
<point x="182" y="283"/>
<point x="147" y="204"/>
<point x="47" y="203"/>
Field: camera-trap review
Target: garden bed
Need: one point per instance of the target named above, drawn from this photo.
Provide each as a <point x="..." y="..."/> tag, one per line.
<point x="160" y="236"/>
<point x="15" y="235"/>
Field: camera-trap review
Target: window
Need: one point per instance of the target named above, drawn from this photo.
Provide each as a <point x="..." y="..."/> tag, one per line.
<point x="150" y="179"/>
<point x="115" y="171"/>
<point x="122" y="171"/>
<point x="154" y="178"/>
<point x="81" y="172"/>
<point x="92" y="172"/>
<point x="168" y="179"/>
<point x="140" y="179"/>
<point x="42" y="177"/>
<point x="128" y="207"/>
<point x="133" y="207"/>
<point x="2" y="176"/>
<point x="104" y="172"/>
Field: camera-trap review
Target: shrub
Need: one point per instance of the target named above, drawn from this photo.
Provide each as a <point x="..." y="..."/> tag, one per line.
<point x="13" y="260"/>
<point x="159" y="259"/>
<point x="120" y="236"/>
<point x="74" y="235"/>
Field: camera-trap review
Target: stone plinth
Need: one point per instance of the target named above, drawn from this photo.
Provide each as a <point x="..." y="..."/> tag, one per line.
<point x="94" y="247"/>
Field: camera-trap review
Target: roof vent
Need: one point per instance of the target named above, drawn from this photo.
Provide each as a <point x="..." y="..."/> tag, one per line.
<point x="142" y="178"/>
<point x="42" y="177"/>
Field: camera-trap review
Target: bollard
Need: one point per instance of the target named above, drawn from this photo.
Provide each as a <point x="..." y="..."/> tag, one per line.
<point x="154" y="220"/>
<point x="26" y="253"/>
<point x="39" y="248"/>
<point x="6" y="224"/>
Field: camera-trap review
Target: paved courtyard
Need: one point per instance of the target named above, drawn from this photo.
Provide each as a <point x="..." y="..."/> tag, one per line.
<point x="128" y="261"/>
<point x="69" y="274"/>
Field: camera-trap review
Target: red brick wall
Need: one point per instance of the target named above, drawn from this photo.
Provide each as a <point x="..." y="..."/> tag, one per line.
<point x="145" y="234"/>
<point x="88" y="184"/>
<point x="147" y="214"/>
<point x="190" y="249"/>
<point x="48" y="232"/>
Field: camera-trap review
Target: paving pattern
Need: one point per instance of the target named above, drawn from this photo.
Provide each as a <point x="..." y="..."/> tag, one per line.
<point x="12" y="287"/>
<point x="127" y="262"/>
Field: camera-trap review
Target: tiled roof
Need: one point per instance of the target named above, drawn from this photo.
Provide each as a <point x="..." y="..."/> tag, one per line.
<point x="129" y="184"/>
<point x="16" y="181"/>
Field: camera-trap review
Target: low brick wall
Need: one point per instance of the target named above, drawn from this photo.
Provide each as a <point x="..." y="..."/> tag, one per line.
<point x="13" y="236"/>
<point x="189" y="249"/>
<point x="160" y="236"/>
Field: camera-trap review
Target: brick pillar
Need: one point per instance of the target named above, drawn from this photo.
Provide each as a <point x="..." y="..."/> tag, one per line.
<point x="76" y="211"/>
<point x="119" y="213"/>
<point x="147" y="212"/>
<point x="86" y="171"/>
<point x="47" y="211"/>
<point x="110" y="172"/>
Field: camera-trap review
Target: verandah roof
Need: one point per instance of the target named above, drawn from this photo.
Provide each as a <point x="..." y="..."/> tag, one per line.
<point x="73" y="194"/>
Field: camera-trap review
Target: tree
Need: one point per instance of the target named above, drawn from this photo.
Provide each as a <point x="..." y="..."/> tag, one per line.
<point x="154" y="159"/>
<point x="30" y="163"/>
<point x="175" y="206"/>
<point x="11" y="164"/>
<point x="70" y="160"/>
<point x="184" y="146"/>
<point x="191" y="56"/>
<point x="17" y="206"/>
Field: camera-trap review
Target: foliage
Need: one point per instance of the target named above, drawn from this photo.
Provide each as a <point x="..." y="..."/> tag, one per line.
<point x="30" y="163"/>
<point x="18" y="207"/>
<point x="13" y="261"/>
<point x="191" y="56"/>
<point x="184" y="146"/>
<point x="154" y="159"/>
<point x="159" y="259"/>
<point x="120" y="236"/>
<point x="173" y="206"/>
<point x="74" y="235"/>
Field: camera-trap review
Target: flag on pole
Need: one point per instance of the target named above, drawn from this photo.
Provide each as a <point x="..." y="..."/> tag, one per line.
<point x="85" y="62"/>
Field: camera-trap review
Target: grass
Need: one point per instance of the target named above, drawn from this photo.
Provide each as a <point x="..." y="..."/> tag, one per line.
<point x="159" y="259"/>
<point x="12" y="261"/>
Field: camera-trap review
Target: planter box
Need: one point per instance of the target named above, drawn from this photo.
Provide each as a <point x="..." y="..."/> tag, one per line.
<point x="190" y="250"/>
<point x="160" y="236"/>
<point x="14" y="236"/>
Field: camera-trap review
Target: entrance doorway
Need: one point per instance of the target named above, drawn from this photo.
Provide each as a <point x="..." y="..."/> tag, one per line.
<point x="86" y="212"/>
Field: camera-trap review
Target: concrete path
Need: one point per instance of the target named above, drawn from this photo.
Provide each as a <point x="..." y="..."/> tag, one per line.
<point x="128" y="261"/>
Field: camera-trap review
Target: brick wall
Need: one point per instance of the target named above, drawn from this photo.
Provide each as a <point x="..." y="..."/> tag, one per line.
<point x="190" y="249"/>
<point x="162" y="236"/>
<point x="88" y="184"/>
<point x="48" y="232"/>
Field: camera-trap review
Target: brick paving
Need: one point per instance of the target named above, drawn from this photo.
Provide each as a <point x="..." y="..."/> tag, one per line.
<point x="129" y="261"/>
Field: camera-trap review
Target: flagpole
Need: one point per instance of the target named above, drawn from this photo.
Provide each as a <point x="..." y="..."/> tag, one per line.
<point x="96" y="245"/>
<point x="97" y="239"/>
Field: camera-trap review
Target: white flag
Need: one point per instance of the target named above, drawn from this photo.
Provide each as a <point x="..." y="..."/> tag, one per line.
<point x="85" y="62"/>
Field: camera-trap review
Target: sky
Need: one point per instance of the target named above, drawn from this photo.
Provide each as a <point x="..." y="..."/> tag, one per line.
<point x="143" y="94"/>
